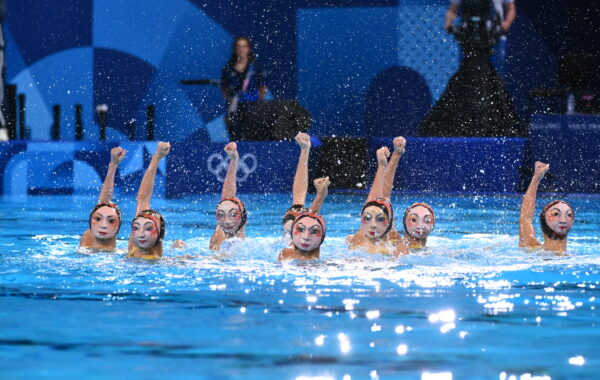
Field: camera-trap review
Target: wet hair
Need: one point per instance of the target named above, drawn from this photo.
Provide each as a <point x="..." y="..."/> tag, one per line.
<point x="385" y="206"/>
<point x="315" y="216"/>
<point x="549" y="232"/>
<point x="410" y="208"/>
<point x="242" y="208"/>
<point x="293" y="212"/>
<point x="157" y="219"/>
<point x="111" y="205"/>
<point x="233" y="58"/>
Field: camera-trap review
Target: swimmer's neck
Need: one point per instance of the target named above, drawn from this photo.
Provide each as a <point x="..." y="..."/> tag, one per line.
<point x="314" y="254"/>
<point x="103" y="244"/>
<point x="378" y="240"/>
<point x="146" y="253"/>
<point x="415" y="243"/>
<point x="554" y="245"/>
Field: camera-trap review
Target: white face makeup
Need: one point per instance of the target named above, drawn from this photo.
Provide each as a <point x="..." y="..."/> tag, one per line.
<point x="374" y="222"/>
<point x="104" y="223"/>
<point x="229" y="217"/>
<point x="307" y="234"/>
<point x="144" y="232"/>
<point x="560" y="218"/>
<point x="419" y="222"/>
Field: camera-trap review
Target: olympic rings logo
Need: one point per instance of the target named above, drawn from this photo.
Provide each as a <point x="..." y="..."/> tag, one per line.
<point x="217" y="164"/>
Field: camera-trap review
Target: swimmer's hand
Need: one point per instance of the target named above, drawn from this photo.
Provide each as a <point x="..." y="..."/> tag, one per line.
<point x="178" y="244"/>
<point x="231" y="150"/>
<point x="382" y="156"/>
<point x="163" y="149"/>
<point x="541" y="169"/>
<point x="322" y="184"/>
<point x="117" y="155"/>
<point x="399" y="145"/>
<point x="303" y="139"/>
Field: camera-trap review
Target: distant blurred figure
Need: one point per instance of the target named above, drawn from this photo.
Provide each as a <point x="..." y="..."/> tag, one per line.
<point x="3" y="131"/>
<point x="475" y="102"/>
<point x="504" y="10"/>
<point x="242" y="83"/>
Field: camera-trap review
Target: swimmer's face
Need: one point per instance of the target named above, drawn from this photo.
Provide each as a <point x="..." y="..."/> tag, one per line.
<point x="104" y="223"/>
<point x="374" y="222"/>
<point x="144" y="232"/>
<point x="287" y="231"/>
<point x="229" y="217"/>
<point x="560" y="218"/>
<point x="242" y="48"/>
<point x="307" y="234"/>
<point x="419" y="222"/>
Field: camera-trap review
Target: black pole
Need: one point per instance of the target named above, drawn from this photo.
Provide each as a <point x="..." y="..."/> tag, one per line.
<point x="150" y="122"/>
<point x="55" y="132"/>
<point x="131" y="129"/>
<point x="78" y="123"/>
<point x="102" y="109"/>
<point x="22" y="116"/>
<point x="11" y="110"/>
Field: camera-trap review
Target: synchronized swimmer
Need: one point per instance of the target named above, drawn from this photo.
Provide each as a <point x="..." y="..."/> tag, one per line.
<point x="304" y="228"/>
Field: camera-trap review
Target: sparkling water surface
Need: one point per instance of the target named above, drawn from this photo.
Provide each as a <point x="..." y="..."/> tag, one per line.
<point x="472" y="305"/>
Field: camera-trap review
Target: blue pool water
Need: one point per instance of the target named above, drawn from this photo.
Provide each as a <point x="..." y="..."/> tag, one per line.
<point x="470" y="306"/>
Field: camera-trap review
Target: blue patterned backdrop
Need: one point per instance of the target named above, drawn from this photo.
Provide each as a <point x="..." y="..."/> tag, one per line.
<point x="354" y="64"/>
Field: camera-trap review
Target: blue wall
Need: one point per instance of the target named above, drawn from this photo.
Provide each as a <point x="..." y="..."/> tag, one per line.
<point x="333" y="56"/>
<point x="570" y="144"/>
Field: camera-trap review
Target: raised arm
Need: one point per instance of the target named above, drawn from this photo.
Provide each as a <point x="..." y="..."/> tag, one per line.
<point x="322" y="186"/>
<point x="116" y="156"/>
<point x="450" y="16"/>
<point x="526" y="232"/>
<point x="377" y="187"/>
<point x="147" y="185"/>
<point x="300" y="186"/>
<point x="230" y="184"/>
<point x="390" y="171"/>
<point x="510" y="13"/>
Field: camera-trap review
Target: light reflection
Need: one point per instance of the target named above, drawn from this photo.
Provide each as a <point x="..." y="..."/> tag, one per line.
<point x="577" y="360"/>
<point x="372" y="314"/>
<point x="320" y="340"/>
<point x="447" y="327"/>
<point x="349" y="303"/>
<point x="402" y="349"/>
<point x="375" y="327"/>
<point x="242" y="309"/>
<point x="446" y="316"/>
<point x="399" y="329"/>
<point x="374" y="375"/>
<point x="436" y="376"/>
<point x="494" y="308"/>
<point x="344" y="343"/>
<point x="314" y="378"/>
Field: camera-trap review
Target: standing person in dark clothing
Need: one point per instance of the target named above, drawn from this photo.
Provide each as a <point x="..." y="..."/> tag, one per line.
<point x="506" y="12"/>
<point x="475" y="103"/>
<point x="242" y="83"/>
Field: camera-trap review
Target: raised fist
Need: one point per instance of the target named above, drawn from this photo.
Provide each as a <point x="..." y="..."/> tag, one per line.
<point x="117" y="154"/>
<point x="231" y="150"/>
<point x="400" y="144"/>
<point x="163" y="149"/>
<point x="303" y="140"/>
<point x="382" y="156"/>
